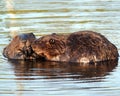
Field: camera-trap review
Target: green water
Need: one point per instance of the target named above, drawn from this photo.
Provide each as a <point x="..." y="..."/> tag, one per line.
<point x="58" y="16"/>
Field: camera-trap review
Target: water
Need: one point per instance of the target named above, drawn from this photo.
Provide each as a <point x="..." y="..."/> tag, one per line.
<point x="18" y="78"/>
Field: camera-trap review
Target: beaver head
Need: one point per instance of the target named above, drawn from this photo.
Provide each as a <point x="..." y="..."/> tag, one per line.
<point x="50" y="47"/>
<point x="19" y="47"/>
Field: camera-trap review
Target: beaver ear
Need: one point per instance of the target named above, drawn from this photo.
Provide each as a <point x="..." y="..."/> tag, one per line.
<point x="52" y="41"/>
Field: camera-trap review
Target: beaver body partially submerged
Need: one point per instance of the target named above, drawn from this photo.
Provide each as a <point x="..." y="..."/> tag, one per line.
<point x="80" y="47"/>
<point x="20" y="47"/>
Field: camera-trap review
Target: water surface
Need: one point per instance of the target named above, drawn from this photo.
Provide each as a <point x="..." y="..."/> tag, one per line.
<point x="18" y="78"/>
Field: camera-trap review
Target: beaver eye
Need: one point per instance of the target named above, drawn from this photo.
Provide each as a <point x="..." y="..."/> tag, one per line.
<point x="52" y="41"/>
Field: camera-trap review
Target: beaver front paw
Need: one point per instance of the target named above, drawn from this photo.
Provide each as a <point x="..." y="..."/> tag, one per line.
<point x="26" y="52"/>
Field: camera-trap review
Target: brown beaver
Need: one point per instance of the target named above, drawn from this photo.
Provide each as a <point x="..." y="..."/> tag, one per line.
<point x="81" y="47"/>
<point x="20" y="47"/>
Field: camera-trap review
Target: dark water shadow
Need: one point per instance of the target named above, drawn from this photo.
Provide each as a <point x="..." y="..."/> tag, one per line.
<point x="30" y="70"/>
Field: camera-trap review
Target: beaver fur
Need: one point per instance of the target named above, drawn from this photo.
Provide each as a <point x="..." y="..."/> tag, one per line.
<point x="80" y="47"/>
<point x="20" y="47"/>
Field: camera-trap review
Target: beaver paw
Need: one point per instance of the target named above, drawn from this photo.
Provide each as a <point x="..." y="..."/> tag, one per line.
<point x="26" y="52"/>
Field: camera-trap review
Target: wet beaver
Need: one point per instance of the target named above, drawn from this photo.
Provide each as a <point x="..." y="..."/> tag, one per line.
<point x="20" y="47"/>
<point x="81" y="47"/>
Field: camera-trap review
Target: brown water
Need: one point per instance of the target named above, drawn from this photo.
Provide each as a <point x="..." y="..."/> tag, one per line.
<point x="18" y="78"/>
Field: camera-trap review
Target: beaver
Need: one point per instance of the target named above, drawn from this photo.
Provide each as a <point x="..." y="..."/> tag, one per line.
<point x="20" y="47"/>
<point x="79" y="47"/>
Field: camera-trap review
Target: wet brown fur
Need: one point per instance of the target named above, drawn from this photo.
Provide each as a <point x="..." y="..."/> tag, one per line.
<point x="47" y="48"/>
<point x="91" y="46"/>
<point x="81" y="47"/>
<point x="18" y="46"/>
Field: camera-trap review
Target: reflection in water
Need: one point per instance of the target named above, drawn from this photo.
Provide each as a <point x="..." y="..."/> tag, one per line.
<point x="28" y="70"/>
<point x="11" y="14"/>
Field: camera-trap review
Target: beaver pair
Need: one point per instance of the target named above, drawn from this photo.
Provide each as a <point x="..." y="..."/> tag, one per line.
<point x="79" y="47"/>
